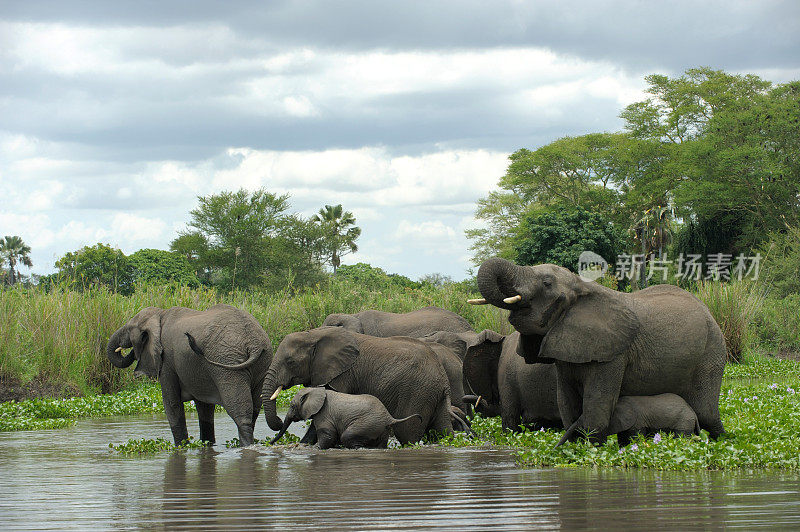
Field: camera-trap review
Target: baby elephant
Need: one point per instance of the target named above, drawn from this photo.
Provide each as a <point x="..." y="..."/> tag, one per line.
<point x="341" y="418"/>
<point x="648" y="414"/>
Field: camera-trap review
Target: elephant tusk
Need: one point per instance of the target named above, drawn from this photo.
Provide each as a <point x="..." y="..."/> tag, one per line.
<point x="514" y="299"/>
<point x="480" y="301"/>
<point x="477" y="402"/>
<point x="275" y="395"/>
<point x="117" y="350"/>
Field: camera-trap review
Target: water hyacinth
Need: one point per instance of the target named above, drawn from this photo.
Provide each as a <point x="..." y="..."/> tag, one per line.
<point x="657" y="438"/>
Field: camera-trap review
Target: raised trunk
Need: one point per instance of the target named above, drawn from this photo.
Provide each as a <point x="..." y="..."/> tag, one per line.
<point x="498" y="279"/>
<point x="119" y="339"/>
<point x="270" y="407"/>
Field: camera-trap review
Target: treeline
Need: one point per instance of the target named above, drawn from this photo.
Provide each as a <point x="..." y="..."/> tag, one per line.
<point x="235" y="241"/>
<point x="709" y="163"/>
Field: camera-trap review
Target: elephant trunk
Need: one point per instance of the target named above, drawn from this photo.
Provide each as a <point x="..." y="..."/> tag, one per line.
<point x="120" y="339"/>
<point x="499" y="279"/>
<point x="282" y="431"/>
<point x="270" y="405"/>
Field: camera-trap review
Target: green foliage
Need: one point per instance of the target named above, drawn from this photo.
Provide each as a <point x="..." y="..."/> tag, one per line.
<point x="241" y="240"/>
<point x="339" y="232"/>
<point x="734" y="306"/>
<point x="561" y="235"/>
<point x="777" y="325"/>
<point x="156" y="266"/>
<point x="780" y="262"/>
<point x="373" y="278"/>
<point x="720" y="151"/>
<point x="145" y="446"/>
<point x="98" y="265"/>
<point x="14" y="251"/>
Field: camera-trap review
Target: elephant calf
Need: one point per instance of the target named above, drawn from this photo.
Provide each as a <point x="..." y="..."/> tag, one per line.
<point x="341" y="418"/>
<point x="648" y="414"/>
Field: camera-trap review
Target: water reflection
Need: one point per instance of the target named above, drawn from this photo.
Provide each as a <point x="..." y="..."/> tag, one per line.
<point x="69" y="479"/>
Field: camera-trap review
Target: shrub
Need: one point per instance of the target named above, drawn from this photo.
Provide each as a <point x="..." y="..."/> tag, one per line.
<point x="734" y="306"/>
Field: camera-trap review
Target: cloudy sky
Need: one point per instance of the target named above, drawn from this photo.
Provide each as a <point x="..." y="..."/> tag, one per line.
<point x="115" y="116"/>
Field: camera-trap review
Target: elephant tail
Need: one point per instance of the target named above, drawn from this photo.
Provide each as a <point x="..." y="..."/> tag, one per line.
<point x="396" y="421"/>
<point x="197" y="349"/>
<point x="696" y="426"/>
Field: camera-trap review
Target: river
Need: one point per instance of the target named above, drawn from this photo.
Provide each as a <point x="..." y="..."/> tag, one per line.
<point x="70" y="479"/>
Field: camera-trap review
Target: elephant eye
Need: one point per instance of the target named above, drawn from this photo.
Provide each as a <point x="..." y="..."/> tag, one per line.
<point x="547" y="281"/>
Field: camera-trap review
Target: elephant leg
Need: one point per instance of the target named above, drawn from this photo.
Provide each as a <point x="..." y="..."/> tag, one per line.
<point x="310" y="437"/>
<point x="703" y="397"/>
<point x="570" y="396"/>
<point x="510" y="411"/>
<point x="205" y="413"/>
<point x="173" y="406"/>
<point x="353" y="438"/>
<point x="601" y="384"/>
<point x="256" y="396"/>
<point x="327" y="438"/>
<point x="441" y="424"/>
<point x="234" y="390"/>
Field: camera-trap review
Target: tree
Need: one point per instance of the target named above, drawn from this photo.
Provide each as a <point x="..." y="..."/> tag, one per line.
<point x="573" y="172"/>
<point x="561" y="235"/>
<point x="156" y="266"/>
<point x="373" y="278"/>
<point x="14" y="251"/>
<point x="244" y="239"/>
<point x="339" y="237"/>
<point x="97" y="265"/>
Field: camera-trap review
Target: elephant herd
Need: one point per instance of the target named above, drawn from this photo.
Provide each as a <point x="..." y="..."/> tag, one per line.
<point x="583" y="358"/>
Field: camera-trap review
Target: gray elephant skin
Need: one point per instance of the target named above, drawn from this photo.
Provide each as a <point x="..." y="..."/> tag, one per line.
<point x="647" y="415"/>
<point x="416" y="324"/>
<point x="227" y="365"/>
<point x="341" y="418"/>
<point x="522" y="394"/>
<point x="606" y="343"/>
<point x="403" y="373"/>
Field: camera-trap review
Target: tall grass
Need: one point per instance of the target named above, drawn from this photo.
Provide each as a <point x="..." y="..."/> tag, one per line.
<point x="734" y="306"/>
<point x="60" y="336"/>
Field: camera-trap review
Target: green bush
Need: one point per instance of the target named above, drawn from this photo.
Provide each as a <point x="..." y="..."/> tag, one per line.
<point x="777" y="325"/>
<point x="734" y="306"/>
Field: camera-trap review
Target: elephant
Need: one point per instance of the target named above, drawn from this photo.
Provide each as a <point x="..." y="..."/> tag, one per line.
<point x="647" y="415"/>
<point x="341" y="418"/>
<point x="417" y="323"/>
<point x="403" y="373"/>
<point x="500" y="381"/>
<point x="606" y="343"/>
<point x="217" y="356"/>
<point x="453" y="368"/>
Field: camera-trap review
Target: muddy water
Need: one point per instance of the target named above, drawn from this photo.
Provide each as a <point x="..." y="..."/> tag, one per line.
<point x="69" y="479"/>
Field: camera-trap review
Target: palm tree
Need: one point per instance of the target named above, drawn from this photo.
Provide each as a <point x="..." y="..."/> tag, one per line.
<point x="341" y="238"/>
<point x="14" y="251"/>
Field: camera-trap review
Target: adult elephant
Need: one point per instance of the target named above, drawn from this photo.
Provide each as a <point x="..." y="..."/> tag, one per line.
<point x="218" y="356"/>
<point x="403" y="373"/>
<point x="417" y="323"/>
<point x="606" y="343"/>
<point x="522" y="394"/>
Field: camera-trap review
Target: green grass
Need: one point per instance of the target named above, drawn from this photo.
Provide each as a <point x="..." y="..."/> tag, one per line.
<point x="60" y="336"/>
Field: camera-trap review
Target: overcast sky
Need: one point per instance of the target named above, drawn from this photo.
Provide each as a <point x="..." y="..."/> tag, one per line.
<point x="115" y="116"/>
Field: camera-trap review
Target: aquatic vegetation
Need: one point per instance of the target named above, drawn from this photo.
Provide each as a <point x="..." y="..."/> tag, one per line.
<point x="142" y="398"/>
<point x="152" y="446"/>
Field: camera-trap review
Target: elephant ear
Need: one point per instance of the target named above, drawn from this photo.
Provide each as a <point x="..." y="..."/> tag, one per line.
<point x="150" y="348"/>
<point x="312" y="402"/>
<point x="598" y="327"/>
<point x="335" y="351"/>
<point x="480" y="365"/>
